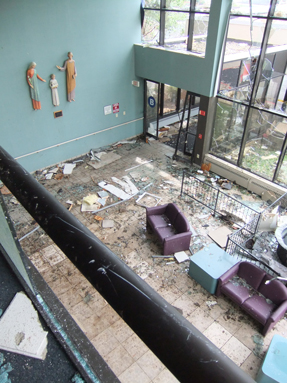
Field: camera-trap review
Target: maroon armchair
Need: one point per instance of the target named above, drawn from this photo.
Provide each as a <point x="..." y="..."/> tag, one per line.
<point x="267" y="303"/>
<point x="170" y="226"/>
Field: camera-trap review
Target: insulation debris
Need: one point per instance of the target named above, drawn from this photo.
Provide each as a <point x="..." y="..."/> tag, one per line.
<point x="68" y="168"/>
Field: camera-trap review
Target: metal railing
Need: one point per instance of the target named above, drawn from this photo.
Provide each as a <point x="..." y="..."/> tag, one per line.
<point x="236" y="246"/>
<point x="240" y="242"/>
<point x="219" y="202"/>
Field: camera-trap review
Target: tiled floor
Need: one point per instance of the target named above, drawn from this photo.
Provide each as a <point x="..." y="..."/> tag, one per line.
<point x="230" y="329"/>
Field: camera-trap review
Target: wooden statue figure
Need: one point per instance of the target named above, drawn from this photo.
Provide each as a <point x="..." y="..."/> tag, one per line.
<point x="32" y="82"/>
<point x="54" y="87"/>
<point x="71" y="73"/>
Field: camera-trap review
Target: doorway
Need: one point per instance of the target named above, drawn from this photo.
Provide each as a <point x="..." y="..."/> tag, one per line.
<point x="171" y="116"/>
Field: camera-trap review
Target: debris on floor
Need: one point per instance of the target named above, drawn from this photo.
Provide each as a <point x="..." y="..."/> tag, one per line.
<point x="181" y="256"/>
<point x="148" y="200"/>
<point x="105" y="159"/>
<point x="120" y="222"/>
<point x="4" y="370"/>
<point x="68" y="168"/>
<point x="259" y="343"/>
<point x="4" y="190"/>
<point x="220" y="235"/>
<point x="90" y="203"/>
<point x="210" y="303"/>
<point x="20" y="329"/>
<point x="114" y="190"/>
<point x="107" y="223"/>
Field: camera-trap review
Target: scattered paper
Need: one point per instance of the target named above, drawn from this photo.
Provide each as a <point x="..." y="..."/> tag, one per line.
<point x="68" y="168"/>
<point x="114" y="190"/>
<point x="181" y="256"/>
<point x="102" y="201"/>
<point x="55" y="170"/>
<point x="103" y="194"/>
<point x="90" y="199"/>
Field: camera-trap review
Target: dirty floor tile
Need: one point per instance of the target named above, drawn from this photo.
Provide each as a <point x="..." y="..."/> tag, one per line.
<point x="217" y="334"/>
<point x="236" y="351"/>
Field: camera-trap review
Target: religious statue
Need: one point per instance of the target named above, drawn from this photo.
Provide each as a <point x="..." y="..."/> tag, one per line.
<point x="71" y="74"/>
<point x="54" y="87"/>
<point x="32" y="82"/>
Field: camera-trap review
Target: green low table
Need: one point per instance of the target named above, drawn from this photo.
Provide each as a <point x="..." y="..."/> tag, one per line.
<point x="208" y="264"/>
<point x="274" y="367"/>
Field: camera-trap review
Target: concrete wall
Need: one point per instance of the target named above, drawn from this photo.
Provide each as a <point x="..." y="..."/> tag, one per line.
<point x="101" y="35"/>
<point x="185" y="70"/>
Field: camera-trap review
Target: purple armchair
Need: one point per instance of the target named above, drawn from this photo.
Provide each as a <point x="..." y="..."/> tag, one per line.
<point x="245" y="285"/>
<point x="170" y="226"/>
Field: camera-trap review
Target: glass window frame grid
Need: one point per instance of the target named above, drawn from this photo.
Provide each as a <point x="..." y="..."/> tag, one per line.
<point x="251" y="105"/>
<point x="192" y="12"/>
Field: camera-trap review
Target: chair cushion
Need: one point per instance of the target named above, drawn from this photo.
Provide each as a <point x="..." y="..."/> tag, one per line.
<point x="236" y="293"/>
<point x="181" y="224"/>
<point x="164" y="232"/>
<point x="258" y="308"/>
<point x="275" y="291"/>
<point x="171" y="212"/>
<point x="158" y="221"/>
<point x="252" y="274"/>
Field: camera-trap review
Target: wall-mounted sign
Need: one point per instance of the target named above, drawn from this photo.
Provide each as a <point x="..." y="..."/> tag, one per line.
<point x="151" y="102"/>
<point x="107" y="109"/>
<point x="116" y="108"/>
<point x="59" y="113"/>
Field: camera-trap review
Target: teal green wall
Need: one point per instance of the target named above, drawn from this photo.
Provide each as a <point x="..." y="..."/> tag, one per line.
<point x="101" y="35"/>
<point x="185" y="70"/>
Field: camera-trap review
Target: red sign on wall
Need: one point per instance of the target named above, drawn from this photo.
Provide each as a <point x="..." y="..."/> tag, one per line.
<point x="116" y="108"/>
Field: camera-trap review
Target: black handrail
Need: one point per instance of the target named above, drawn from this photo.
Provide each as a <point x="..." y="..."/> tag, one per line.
<point x="184" y="350"/>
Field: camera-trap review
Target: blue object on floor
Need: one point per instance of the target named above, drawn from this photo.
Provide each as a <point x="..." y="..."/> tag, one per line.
<point x="208" y="264"/>
<point x="274" y="366"/>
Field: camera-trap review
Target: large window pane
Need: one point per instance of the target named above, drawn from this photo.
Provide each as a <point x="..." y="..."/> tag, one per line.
<point x="241" y="55"/>
<point x="202" y="5"/>
<point x="272" y="77"/>
<point x="258" y="7"/>
<point x="282" y="97"/>
<point x="282" y="176"/>
<point x="229" y="77"/>
<point x="244" y="37"/>
<point x="263" y="143"/>
<point x="176" y="30"/>
<point x="178" y="4"/>
<point x="228" y="130"/>
<point x="170" y="98"/>
<point x="199" y="34"/>
<point x="281" y="8"/>
<point x="150" y="29"/>
<point x="152" y="3"/>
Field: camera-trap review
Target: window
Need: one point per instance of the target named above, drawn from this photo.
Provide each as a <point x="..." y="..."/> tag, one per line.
<point x="179" y="25"/>
<point x="251" y="123"/>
